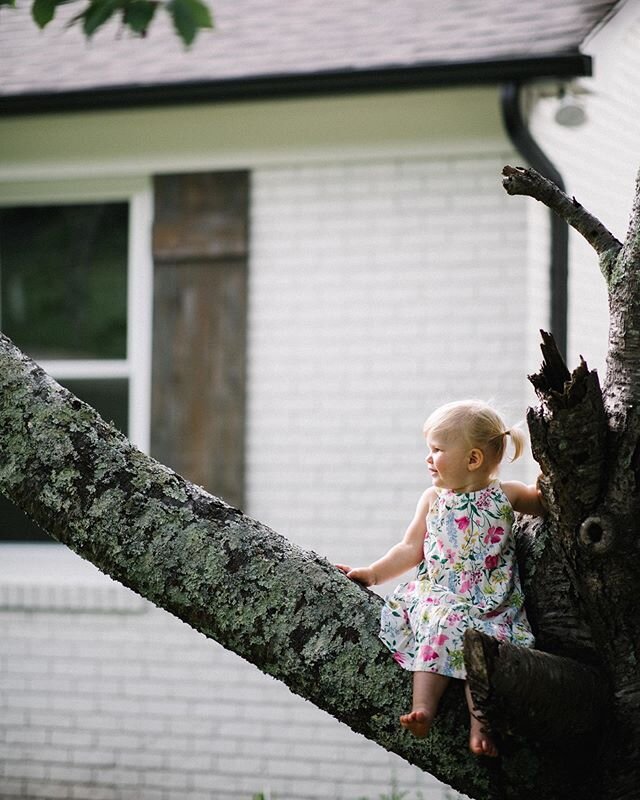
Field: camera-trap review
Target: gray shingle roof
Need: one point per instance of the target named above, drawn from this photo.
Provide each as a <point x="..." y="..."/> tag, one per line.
<point x="258" y="38"/>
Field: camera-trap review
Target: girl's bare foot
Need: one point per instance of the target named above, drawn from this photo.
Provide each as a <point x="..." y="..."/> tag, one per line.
<point x="418" y="722"/>
<point x="480" y="740"/>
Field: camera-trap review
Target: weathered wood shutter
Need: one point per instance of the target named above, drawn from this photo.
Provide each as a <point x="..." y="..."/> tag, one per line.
<point x="199" y="329"/>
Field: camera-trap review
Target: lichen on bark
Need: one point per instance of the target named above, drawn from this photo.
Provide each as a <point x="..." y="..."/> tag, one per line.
<point x="284" y="609"/>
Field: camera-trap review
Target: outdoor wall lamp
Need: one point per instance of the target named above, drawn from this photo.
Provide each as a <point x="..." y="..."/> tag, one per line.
<point x="570" y="112"/>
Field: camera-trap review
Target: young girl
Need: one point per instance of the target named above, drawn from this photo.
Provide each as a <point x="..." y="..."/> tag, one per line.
<point x="461" y="538"/>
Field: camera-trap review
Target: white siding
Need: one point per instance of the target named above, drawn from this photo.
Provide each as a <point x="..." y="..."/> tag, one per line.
<point x="599" y="162"/>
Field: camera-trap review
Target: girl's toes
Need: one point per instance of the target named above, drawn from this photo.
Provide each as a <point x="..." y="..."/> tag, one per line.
<point x="483" y="745"/>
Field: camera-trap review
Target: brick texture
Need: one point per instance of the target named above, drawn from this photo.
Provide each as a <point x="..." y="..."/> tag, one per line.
<point x="378" y="290"/>
<point x="117" y="706"/>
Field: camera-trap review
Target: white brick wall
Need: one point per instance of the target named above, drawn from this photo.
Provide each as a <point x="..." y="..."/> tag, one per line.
<point x="378" y="290"/>
<point x="133" y="704"/>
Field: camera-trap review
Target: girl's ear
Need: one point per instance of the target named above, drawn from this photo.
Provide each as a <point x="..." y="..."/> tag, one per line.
<point x="476" y="458"/>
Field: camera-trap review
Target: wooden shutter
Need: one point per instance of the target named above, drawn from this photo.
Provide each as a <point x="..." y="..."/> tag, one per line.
<point x="200" y="248"/>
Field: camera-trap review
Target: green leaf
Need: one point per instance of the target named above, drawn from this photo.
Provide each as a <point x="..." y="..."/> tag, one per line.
<point x="96" y="14"/>
<point x="42" y="11"/>
<point x="138" y="15"/>
<point x="188" y="17"/>
<point x="11" y="3"/>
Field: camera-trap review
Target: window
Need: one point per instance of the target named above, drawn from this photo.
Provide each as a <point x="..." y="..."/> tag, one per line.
<point x="72" y="297"/>
<point x="63" y="280"/>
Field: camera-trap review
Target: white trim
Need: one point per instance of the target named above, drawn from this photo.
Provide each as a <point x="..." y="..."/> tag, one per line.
<point x="69" y="369"/>
<point x="139" y="316"/>
<point x="134" y="167"/>
<point x="66" y="187"/>
<point x="50" y="578"/>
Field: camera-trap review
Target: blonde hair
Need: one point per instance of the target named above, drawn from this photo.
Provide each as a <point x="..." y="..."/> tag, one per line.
<point x="479" y="425"/>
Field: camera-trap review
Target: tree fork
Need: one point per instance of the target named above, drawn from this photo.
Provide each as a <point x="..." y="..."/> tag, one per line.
<point x="596" y="532"/>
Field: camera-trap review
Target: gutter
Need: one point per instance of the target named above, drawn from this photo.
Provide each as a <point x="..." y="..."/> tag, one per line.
<point x="527" y="146"/>
<point x="279" y="86"/>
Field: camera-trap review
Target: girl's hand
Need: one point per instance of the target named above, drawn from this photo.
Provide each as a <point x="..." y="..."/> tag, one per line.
<point x="363" y="575"/>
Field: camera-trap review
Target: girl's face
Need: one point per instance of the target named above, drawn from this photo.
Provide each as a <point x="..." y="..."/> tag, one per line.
<point x="452" y="463"/>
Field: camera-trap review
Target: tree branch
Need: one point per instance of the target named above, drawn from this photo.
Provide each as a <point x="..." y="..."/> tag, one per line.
<point x="522" y="181"/>
<point x="588" y="444"/>
<point x="631" y="253"/>
<point x="286" y="610"/>
<point x="557" y="705"/>
<point x="569" y="433"/>
<point x="543" y="696"/>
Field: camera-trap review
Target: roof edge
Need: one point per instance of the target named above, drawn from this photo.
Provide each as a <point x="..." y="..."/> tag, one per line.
<point x="280" y="86"/>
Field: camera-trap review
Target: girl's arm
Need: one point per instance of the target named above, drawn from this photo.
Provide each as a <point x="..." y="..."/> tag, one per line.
<point x="402" y="556"/>
<point x="523" y="498"/>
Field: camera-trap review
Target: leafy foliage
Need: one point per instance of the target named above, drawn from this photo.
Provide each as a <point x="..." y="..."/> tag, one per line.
<point x="188" y="16"/>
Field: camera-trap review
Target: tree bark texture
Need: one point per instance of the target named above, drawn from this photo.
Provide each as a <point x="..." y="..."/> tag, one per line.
<point x="587" y="441"/>
<point x="284" y="609"/>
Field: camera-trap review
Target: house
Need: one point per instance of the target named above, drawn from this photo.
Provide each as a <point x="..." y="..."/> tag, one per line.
<point x="280" y="249"/>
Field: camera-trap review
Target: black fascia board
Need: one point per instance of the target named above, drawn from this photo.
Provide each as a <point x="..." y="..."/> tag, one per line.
<point x="335" y="82"/>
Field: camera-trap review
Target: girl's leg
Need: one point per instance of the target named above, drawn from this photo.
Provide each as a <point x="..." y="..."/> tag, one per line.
<point x="480" y="741"/>
<point x="428" y="688"/>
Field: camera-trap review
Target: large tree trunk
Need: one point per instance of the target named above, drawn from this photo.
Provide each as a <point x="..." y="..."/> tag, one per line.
<point x="297" y="618"/>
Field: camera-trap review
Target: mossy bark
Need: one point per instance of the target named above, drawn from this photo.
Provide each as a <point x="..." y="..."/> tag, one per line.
<point x="286" y="610"/>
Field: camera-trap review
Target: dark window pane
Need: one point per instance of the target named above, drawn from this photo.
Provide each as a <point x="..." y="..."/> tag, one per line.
<point x="110" y="398"/>
<point x="63" y="279"/>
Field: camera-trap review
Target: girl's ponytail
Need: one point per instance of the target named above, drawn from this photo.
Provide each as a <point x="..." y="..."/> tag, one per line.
<point x="519" y="440"/>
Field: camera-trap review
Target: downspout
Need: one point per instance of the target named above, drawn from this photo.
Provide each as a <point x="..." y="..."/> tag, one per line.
<point x="527" y="146"/>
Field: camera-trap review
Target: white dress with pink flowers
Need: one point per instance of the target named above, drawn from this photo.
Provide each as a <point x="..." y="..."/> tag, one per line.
<point x="468" y="579"/>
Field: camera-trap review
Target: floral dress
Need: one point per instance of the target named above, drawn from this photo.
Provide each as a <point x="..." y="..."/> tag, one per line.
<point x="468" y="579"/>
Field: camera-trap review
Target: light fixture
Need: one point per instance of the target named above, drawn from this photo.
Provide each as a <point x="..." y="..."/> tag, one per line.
<point x="570" y="112"/>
